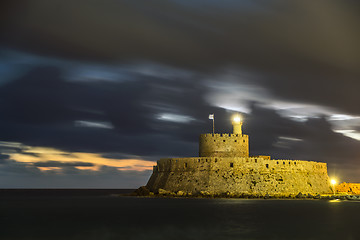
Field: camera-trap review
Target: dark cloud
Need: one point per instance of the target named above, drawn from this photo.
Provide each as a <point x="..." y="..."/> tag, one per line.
<point x="181" y="33"/>
<point x="21" y="175"/>
<point x="304" y="45"/>
<point x="43" y="104"/>
<point x="62" y="164"/>
<point x="3" y="158"/>
<point x="41" y="109"/>
<point x="17" y="169"/>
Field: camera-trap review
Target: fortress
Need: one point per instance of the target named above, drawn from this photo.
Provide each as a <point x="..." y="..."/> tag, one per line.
<point x="225" y="167"/>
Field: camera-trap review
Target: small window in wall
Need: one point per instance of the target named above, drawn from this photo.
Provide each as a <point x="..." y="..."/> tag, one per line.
<point x="243" y="140"/>
<point x="231" y="164"/>
<point x="185" y="164"/>
<point x="223" y="140"/>
<point x="267" y="165"/>
<point x="277" y="162"/>
<point x="214" y="140"/>
<point x="283" y="163"/>
<point x="215" y="159"/>
<point x="235" y="140"/>
<point x="255" y="160"/>
<point x="295" y="163"/>
<point x="198" y="160"/>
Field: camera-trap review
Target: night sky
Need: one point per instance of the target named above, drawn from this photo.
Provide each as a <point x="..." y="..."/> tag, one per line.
<point x="92" y="93"/>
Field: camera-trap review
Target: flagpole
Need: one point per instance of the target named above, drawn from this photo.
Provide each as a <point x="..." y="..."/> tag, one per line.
<point x="213" y="125"/>
<point x="212" y="117"/>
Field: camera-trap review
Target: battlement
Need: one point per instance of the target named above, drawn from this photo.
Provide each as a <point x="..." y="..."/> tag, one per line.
<point x="220" y="135"/>
<point x="223" y="145"/>
<point x="262" y="156"/>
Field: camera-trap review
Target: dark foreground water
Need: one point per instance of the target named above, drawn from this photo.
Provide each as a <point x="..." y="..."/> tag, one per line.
<point x="102" y="216"/>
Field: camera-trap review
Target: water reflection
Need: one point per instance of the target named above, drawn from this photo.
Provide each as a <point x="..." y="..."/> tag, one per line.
<point x="100" y="217"/>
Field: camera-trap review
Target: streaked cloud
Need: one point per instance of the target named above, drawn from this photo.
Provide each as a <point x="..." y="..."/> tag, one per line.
<point x="83" y="123"/>
<point x="174" y="118"/>
<point x="350" y="133"/>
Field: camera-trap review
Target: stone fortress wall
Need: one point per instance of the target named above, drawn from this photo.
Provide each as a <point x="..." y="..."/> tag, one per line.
<point x="350" y="188"/>
<point x="224" y="166"/>
<point x="254" y="175"/>
<point x="223" y="145"/>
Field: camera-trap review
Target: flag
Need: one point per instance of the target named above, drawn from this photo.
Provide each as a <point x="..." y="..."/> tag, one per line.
<point x="211" y="116"/>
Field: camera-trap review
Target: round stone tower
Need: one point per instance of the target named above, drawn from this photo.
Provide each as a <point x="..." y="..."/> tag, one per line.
<point x="225" y="145"/>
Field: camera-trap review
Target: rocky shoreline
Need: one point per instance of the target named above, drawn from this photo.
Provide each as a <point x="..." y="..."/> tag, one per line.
<point x="144" y="192"/>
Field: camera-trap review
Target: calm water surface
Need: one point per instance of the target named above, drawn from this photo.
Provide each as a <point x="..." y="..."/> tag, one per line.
<point x="108" y="217"/>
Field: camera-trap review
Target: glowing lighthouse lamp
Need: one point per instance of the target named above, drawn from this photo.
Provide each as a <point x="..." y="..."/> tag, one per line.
<point x="237" y="123"/>
<point x="333" y="184"/>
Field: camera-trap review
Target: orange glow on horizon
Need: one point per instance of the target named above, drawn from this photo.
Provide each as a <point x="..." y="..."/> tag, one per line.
<point x="50" y="154"/>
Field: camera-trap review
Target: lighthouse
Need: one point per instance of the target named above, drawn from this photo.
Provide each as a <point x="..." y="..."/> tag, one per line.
<point x="237" y="123"/>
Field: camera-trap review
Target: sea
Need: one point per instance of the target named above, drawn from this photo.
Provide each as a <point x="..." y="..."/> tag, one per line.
<point x="106" y="214"/>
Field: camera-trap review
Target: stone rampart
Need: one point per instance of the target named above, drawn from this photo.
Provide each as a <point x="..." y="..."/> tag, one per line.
<point x="224" y="145"/>
<point x="350" y="188"/>
<point x="236" y="175"/>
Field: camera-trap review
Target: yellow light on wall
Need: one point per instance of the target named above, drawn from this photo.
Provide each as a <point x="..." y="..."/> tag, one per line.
<point x="333" y="182"/>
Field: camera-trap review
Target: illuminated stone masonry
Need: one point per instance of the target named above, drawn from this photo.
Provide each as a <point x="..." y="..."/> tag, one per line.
<point x="348" y="188"/>
<point x="224" y="167"/>
<point x="224" y="145"/>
